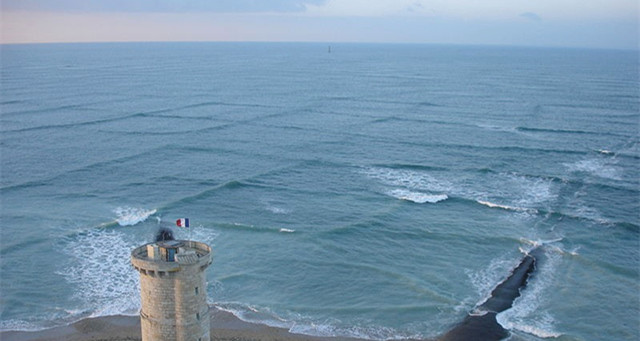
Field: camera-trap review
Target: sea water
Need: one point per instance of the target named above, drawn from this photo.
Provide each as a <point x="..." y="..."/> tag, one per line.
<point x="377" y="191"/>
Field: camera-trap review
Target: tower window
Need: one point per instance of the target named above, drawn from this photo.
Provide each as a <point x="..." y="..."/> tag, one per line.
<point x="196" y="290"/>
<point x="198" y="316"/>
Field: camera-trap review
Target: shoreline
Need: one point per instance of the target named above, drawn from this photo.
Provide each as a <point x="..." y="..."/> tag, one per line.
<point x="224" y="327"/>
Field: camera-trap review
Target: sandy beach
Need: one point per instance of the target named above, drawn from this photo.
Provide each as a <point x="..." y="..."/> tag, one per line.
<point x="225" y="326"/>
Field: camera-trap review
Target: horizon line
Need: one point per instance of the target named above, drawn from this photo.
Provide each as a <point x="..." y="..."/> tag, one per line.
<point x="637" y="48"/>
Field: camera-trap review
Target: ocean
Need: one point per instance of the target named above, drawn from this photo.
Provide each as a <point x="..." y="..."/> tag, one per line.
<point x="373" y="190"/>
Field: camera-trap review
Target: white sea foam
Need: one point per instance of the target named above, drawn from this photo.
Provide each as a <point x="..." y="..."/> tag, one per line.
<point x="196" y="232"/>
<point x="253" y="314"/>
<point x="600" y="167"/>
<point x="518" y="193"/>
<point x="362" y="329"/>
<point x="542" y="333"/>
<point x="409" y="179"/>
<point x="486" y="279"/>
<point x="19" y="325"/>
<point x="287" y="230"/>
<point x="514" y="192"/>
<point x="414" y="186"/>
<point x="478" y="312"/>
<point x="278" y="210"/>
<point x="562" y="251"/>
<point x="298" y="323"/>
<point x="332" y="328"/>
<point x="539" y="242"/>
<point x="552" y="245"/>
<point x="128" y="216"/>
<point x="605" y="152"/>
<point x="417" y="197"/>
<point x="101" y="272"/>
<point x="507" y="207"/>
<point x="52" y="319"/>
<point x="526" y="314"/>
<point x="582" y="210"/>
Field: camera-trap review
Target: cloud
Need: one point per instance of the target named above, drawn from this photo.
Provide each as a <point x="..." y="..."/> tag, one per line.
<point x="490" y="10"/>
<point x="161" y="6"/>
<point x="531" y="16"/>
<point x="366" y="8"/>
<point x="550" y="10"/>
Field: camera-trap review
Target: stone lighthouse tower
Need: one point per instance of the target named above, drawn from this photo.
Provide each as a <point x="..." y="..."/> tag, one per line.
<point x="173" y="290"/>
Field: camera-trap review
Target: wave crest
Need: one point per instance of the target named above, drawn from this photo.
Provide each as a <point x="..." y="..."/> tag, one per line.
<point x="129" y="216"/>
<point x="506" y="207"/>
<point x="417" y="197"/>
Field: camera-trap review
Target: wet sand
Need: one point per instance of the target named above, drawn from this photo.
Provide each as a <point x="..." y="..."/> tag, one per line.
<point x="224" y="326"/>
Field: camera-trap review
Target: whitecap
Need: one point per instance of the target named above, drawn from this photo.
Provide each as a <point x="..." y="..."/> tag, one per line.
<point x="287" y="230"/>
<point x="129" y="216"/>
<point x="409" y="179"/>
<point x="506" y="207"/>
<point x="417" y="197"/>
<point x="522" y="193"/>
<point x="605" y="152"/>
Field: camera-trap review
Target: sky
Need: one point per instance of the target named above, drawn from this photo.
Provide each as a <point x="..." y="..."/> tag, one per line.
<point x="553" y="23"/>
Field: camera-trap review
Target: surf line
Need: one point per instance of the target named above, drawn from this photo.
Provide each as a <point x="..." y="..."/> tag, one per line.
<point x="482" y="324"/>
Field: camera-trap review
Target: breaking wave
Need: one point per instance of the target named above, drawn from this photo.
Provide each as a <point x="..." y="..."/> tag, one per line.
<point x="94" y="254"/>
<point x="100" y="268"/>
<point x="526" y="315"/>
<point x="20" y="325"/>
<point x="129" y="216"/>
<point x="522" y="193"/>
<point x="417" y="197"/>
<point x="410" y="179"/>
<point x="297" y="323"/>
<point x="484" y="280"/>
<point x="507" y="207"/>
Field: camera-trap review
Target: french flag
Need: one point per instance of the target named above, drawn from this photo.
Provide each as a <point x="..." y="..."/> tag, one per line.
<point x="184" y="222"/>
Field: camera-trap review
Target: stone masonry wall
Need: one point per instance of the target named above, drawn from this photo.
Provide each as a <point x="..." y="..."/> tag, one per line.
<point x="172" y="308"/>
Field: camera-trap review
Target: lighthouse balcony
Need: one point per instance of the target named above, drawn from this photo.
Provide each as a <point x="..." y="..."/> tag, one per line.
<point x="170" y="256"/>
